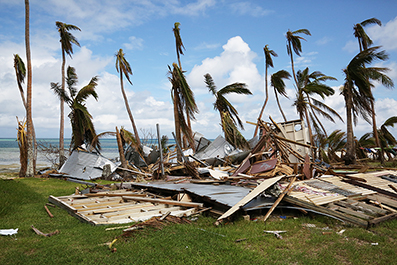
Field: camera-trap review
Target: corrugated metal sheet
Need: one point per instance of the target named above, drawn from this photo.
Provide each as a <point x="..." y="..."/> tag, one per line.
<point x="84" y="165"/>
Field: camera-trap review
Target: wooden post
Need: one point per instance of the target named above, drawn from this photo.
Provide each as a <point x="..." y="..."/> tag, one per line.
<point x="161" y="149"/>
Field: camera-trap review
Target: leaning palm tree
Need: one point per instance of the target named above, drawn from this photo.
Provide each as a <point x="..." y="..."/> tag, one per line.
<point x="228" y="114"/>
<point x="357" y="91"/>
<point x="83" y="130"/>
<point x="364" y="42"/>
<point x="278" y="84"/>
<point x="294" y="43"/>
<point x="31" y="168"/>
<point x="184" y="102"/>
<point x="124" y="69"/>
<point x="268" y="63"/>
<point x="67" y="40"/>
<point x="307" y="107"/>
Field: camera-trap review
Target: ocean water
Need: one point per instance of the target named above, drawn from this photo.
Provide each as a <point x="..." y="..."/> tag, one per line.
<point x="9" y="150"/>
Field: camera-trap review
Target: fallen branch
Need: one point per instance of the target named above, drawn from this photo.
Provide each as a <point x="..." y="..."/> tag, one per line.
<point x="37" y="231"/>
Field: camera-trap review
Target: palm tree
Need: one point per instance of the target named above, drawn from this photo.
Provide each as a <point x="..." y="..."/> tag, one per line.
<point x="179" y="50"/>
<point x="277" y="82"/>
<point x="184" y="102"/>
<point x="67" y="40"/>
<point x="307" y="106"/>
<point x="124" y="68"/>
<point x="29" y="120"/>
<point x="386" y="138"/>
<point x="357" y="91"/>
<point x="364" y="42"/>
<point x="294" y="43"/>
<point x="83" y="131"/>
<point x="268" y="63"/>
<point x="228" y="114"/>
<point x="20" y="73"/>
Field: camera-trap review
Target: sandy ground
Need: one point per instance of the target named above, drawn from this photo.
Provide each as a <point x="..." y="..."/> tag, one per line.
<point x="13" y="168"/>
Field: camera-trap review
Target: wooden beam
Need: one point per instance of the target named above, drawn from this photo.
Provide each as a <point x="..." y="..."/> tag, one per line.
<point x="280" y="197"/>
<point x="253" y="194"/>
<point x="162" y="201"/>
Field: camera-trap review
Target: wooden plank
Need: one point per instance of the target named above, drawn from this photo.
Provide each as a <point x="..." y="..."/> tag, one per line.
<point x="383" y="218"/>
<point x="171" y="202"/>
<point x="354" y="213"/>
<point x="61" y="204"/>
<point x="364" y="185"/>
<point x="383" y="200"/>
<point x="253" y="194"/>
<point x="321" y="209"/>
<point x="280" y="197"/>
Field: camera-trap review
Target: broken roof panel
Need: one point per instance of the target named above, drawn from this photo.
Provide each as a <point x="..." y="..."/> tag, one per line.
<point x="85" y="165"/>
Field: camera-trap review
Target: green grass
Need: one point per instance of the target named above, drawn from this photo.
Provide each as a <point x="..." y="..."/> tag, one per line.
<point x="22" y="205"/>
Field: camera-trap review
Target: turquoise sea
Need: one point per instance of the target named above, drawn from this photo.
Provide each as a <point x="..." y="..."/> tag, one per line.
<point x="9" y="151"/>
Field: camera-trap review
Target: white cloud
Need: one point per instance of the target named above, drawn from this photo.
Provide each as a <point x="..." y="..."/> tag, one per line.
<point x="134" y="43"/>
<point x="248" y="8"/>
<point x="385" y="35"/>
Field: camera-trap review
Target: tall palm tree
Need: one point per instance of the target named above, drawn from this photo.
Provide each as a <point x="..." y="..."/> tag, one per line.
<point x="277" y="82"/>
<point x="179" y="50"/>
<point x="364" y="42"/>
<point x="29" y="120"/>
<point x="294" y="43"/>
<point x="184" y="102"/>
<point x="268" y="63"/>
<point x="67" y="40"/>
<point x="357" y="91"/>
<point x="83" y="130"/>
<point x="228" y="114"/>
<point x="124" y="69"/>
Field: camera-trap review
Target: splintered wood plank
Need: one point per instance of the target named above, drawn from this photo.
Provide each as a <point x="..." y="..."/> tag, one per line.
<point x="337" y="181"/>
<point x="253" y="194"/>
<point x="354" y="213"/>
<point x="374" y="179"/>
<point x="162" y="201"/>
<point x="384" y="200"/>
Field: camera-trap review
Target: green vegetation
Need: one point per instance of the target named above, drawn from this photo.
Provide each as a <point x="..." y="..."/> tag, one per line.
<point x="22" y="205"/>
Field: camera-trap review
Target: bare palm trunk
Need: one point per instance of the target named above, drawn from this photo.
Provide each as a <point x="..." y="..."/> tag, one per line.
<point x="62" y="157"/>
<point x="375" y="132"/>
<point x="177" y="124"/>
<point x="30" y="145"/>
<point x="309" y="127"/>
<point x="264" y="103"/>
<point x="127" y="106"/>
<point x="292" y="66"/>
<point x="349" y="157"/>
<point x="279" y="106"/>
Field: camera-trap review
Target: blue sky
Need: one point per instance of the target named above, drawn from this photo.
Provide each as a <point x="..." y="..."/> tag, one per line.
<point x="223" y="38"/>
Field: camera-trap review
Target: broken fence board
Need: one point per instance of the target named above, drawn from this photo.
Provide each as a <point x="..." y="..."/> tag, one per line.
<point x="253" y="194"/>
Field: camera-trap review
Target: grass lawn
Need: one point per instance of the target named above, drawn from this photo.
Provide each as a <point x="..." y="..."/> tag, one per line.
<point x="22" y="205"/>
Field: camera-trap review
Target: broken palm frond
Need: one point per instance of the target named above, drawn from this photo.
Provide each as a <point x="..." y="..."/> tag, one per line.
<point x="23" y="148"/>
<point x="37" y="231"/>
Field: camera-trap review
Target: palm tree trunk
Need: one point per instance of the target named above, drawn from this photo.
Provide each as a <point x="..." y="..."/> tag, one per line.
<point x="292" y="66"/>
<point x="123" y="161"/>
<point x="264" y="103"/>
<point x="127" y="106"/>
<point x="62" y="157"/>
<point x="309" y="127"/>
<point x="177" y="124"/>
<point x="279" y="106"/>
<point x="349" y="157"/>
<point x="375" y="132"/>
<point x="30" y="155"/>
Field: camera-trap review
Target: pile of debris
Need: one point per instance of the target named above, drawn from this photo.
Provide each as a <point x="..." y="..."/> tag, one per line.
<point x="221" y="180"/>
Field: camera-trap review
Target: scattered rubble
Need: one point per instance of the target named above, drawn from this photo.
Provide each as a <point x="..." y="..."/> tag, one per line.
<point x="278" y="172"/>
